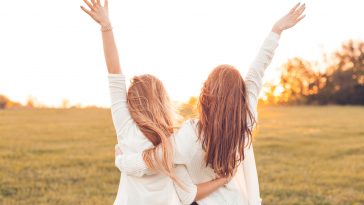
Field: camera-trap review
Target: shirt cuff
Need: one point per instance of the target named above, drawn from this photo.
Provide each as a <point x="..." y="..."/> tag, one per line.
<point x="116" y="75"/>
<point x="194" y="193"/>
<point x="274" y="36"/>
<point x="188" y="198"/>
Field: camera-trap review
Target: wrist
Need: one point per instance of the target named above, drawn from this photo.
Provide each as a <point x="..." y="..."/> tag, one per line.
<point x="105" y="23"/>
<point x="276" y="29"/>
<point x="223" y="181"/>
<point x="105" y="27"/>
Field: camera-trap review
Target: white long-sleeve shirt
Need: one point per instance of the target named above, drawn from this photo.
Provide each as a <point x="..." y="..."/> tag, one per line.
<point x="156" y="189"/>
<point x="244" y="187"/>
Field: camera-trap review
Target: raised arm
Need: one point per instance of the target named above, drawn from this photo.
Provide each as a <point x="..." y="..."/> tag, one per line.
<point x="254" y="78"/>
<point x="101" y="15"/>
<point x="254" y="85"/>
<point x="119" y="108"/>
<point x="255" y="74"/>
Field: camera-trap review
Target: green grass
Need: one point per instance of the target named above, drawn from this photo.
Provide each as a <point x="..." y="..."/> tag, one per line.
<point x="305" y="155"/>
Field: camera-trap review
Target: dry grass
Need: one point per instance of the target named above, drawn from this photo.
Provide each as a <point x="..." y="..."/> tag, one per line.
<point x="305" y="155"/>
<point x="311" y="155"/>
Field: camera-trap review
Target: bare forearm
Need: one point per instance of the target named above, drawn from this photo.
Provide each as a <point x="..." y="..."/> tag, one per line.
<point x="205" y="189"/>
<point x="100" y="13"/>
<point x="111" y="52"/>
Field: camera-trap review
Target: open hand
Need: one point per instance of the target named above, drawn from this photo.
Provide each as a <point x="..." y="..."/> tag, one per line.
<point x="290" y="19"/>
<point x="98" y="12"/>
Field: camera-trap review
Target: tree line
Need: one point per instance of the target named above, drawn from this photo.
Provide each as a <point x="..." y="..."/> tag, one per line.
<point x="341" y="82"/>
<point x="6" y="103"/>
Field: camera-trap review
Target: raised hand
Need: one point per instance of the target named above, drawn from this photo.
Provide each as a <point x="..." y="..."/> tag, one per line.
<point x="98" y="12"/>
<point x="289" y="20"/>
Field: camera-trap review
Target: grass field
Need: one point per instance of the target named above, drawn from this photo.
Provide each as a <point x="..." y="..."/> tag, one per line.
<point x="305" y="155"/>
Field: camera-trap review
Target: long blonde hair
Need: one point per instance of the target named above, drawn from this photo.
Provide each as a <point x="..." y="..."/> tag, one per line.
<point x="150" y="108"/>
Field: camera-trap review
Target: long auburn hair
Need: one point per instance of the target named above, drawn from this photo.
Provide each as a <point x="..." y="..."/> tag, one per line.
<point x="225" y="120"/>
<point x="150" y="108"/>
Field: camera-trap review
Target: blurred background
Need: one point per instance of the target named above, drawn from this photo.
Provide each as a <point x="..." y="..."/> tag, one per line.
<point x="56" y="135"/>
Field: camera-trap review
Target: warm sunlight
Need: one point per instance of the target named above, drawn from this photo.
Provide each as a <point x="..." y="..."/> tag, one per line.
<point x="165" y="102"/>
<point x="180" y="42"/>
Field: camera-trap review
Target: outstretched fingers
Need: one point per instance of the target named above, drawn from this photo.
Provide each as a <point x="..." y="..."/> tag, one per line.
<point x="298" y="15"/>
<point x="106" y="3"/>
<point x="88" y="4"/>
<point x="300" y="18"/>
<point x="86" y="11"/>
<point x="294" y="8"/>
<point x="301" y="9"/>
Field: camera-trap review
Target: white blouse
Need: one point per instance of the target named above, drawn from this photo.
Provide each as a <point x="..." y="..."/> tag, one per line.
<point x="156" y="189"/>
<point x="244" y="187"/>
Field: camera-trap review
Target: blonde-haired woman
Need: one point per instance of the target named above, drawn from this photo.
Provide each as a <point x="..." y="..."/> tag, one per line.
<point x="220" y="141"/>
<point x="142" y="119"/>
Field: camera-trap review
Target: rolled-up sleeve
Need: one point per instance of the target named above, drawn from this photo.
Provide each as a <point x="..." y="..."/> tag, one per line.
<point x="132" y="164"/>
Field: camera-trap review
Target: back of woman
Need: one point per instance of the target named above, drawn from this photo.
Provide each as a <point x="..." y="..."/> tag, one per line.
<point x="155" y="189"/>
<point x="230" y="194"/>
<point x="220" y="142"/>
<point x="210" y="147"/>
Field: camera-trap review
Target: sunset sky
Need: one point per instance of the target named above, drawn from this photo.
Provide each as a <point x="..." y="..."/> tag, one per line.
<point x="52" y="51"/>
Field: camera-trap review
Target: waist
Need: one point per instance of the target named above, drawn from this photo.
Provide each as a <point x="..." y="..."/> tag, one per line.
<point x="224" y="195"/>
<point x="155" y="182"/>
<point x="149" y="190"/>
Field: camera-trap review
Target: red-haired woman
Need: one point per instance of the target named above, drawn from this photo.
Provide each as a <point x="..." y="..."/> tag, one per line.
<point x="220" y="140"/>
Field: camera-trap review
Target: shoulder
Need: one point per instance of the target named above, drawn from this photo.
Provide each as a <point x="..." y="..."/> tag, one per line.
<point x="190" y="122"/>
<point x="188" y="130"/>
<point x="189" y="126"/>
<point x="185" y="142"/>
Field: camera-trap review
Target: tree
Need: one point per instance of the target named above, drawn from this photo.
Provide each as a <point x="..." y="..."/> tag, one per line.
<point x="189" y="109"/>
<point x="345" y="79"/>
<point x="3" y="101"/>
<point x="341" y="83"/>
<point x="299" y="81"/>
<point x="6" y="103"/>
